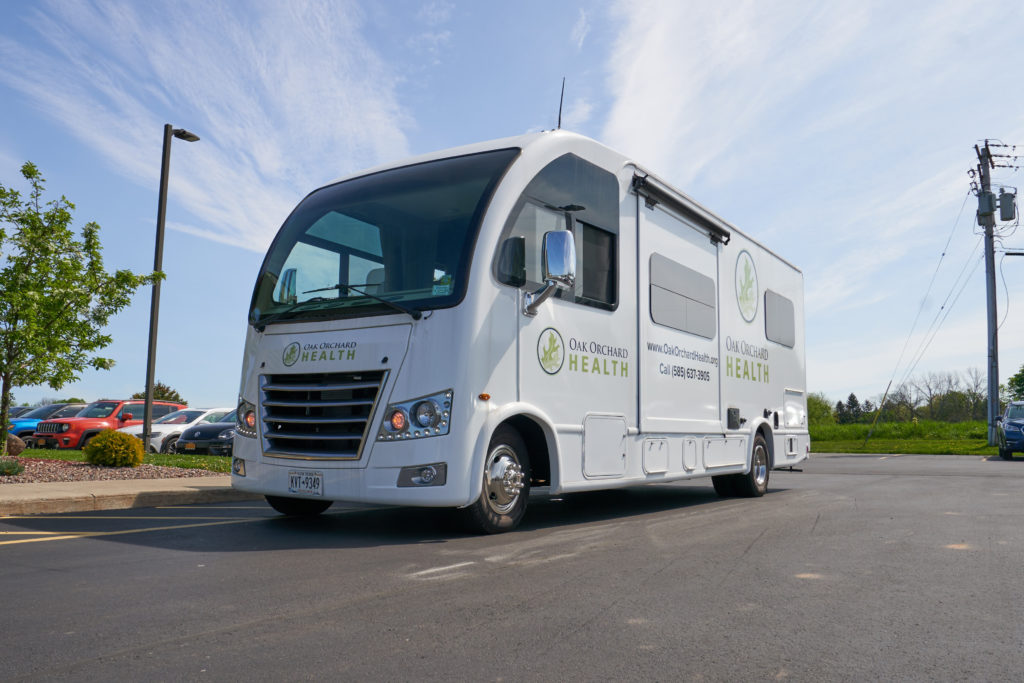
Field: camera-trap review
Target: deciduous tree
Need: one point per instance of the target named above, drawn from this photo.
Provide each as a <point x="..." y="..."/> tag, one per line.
<point x="162" y="392"/>
<point x="56" y="298"/>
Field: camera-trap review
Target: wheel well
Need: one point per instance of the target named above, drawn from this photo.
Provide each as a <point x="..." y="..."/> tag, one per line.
<point x="767" y="435"/>
<point x="536" y="447"/>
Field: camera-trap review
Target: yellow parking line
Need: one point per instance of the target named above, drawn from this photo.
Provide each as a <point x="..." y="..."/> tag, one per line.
<point x="30" y="533"/>
<point x="87" y="534"/>
<point x="153" y="517"/>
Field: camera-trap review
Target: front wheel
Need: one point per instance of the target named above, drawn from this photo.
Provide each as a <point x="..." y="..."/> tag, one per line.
<point x="170" y="444"/>
<point x="302" y="507"/>
<point x="506" y="485"/>
<point x="1005" y="453"/>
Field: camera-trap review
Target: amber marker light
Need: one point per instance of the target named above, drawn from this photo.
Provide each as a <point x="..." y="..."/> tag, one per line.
<point x="484" y="397"/>
<point x="398" y="421"/>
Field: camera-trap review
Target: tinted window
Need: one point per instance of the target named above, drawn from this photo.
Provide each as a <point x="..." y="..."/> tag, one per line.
<point x="568" y="194"/>
<point x="69" y="411"/>
<point x="779" y="319"/>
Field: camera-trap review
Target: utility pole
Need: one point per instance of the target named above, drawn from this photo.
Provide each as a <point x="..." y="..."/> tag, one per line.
<point x="987" y="220"/>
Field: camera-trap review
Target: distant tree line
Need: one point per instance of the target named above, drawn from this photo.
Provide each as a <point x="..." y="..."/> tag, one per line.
<point x="937" y="396"/>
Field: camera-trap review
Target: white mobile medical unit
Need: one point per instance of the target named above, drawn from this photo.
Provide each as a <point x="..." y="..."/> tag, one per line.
<point x="538" y="314"/>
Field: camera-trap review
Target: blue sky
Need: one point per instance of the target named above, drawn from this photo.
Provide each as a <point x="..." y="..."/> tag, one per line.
<point x="837" y="133"/>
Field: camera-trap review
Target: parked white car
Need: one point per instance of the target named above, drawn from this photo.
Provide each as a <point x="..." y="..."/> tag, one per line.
<point x="166" y="430"/>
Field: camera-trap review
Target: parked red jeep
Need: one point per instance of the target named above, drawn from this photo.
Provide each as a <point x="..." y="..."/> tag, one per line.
<point x="75" y="432"/>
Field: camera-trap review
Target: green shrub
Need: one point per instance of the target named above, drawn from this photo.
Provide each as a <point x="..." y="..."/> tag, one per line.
<point x="114" y="449"/>
<point x="9" y="467"/>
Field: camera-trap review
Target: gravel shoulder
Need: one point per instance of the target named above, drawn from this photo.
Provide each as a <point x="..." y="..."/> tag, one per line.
<point x="39" y="470"/>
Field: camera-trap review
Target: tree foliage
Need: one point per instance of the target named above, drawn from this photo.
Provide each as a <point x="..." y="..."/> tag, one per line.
<point x="56" y="298"/>
<point x="1015" y="386"/>
<point x="819" y="411"/>
<point x="162" y="392"/>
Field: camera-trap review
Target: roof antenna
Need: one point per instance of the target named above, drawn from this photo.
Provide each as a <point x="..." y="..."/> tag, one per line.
<point x="560" y="101"/>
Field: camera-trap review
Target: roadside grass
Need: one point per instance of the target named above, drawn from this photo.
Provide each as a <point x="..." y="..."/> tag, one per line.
<point x="213" y="463"/>
<point x="925" y="438"/>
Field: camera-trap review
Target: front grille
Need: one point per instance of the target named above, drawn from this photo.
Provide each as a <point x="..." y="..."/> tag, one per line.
<point x="48" y="427"/>
<point x="322" y="416"/>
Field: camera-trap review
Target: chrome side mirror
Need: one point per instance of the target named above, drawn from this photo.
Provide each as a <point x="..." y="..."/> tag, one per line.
<point x="559" y="265"/>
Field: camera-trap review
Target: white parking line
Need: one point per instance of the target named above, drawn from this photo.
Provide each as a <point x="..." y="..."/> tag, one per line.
<point x="436" y="570"/>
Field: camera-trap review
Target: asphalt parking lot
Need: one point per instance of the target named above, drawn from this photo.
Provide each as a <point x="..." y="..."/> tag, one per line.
<point x="861" y="567"/>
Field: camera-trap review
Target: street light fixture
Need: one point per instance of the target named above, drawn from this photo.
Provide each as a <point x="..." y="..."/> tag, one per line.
<point x="158" y="261"/>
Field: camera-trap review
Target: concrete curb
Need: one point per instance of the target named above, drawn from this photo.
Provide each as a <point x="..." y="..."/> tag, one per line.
<point x="86" y="496"/>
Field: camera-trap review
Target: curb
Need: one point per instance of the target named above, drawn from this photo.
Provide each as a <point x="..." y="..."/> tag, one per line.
<point x="37" y="499"/>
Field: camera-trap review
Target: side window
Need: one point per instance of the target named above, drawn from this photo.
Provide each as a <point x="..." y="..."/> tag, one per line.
<point x="682" y="298"/>
<point x="568" y="194"/>
<point x="779" y="319"/>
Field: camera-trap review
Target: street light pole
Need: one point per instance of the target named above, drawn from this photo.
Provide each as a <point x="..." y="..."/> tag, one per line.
<point x="158" y="261"/>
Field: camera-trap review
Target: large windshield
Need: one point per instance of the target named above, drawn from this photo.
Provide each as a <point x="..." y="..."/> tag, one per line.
<point x="403" y="235"/>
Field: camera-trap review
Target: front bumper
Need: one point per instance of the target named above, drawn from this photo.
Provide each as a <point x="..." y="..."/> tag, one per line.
<point x="205" y="446"/>
<point x="55" y="440"/>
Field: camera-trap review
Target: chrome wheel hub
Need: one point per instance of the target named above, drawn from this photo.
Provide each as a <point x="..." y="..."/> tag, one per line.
<point x="760" y="466"/>
<point x="503" y="479"/>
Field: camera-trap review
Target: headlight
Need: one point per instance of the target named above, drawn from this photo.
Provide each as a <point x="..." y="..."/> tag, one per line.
<point x="245" y="419"/>
<point x="65" y="427"/>
<point x="227" y="434"/>
<point x="417" y="418"/>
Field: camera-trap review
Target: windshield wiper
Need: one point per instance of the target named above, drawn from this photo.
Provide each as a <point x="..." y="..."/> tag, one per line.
<point x="416" y="314"/>
<point x="261" y="324"/>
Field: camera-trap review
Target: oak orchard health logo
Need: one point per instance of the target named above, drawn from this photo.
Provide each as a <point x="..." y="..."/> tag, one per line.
<point x="550" y="351"/>
<point x="746" y="286"/>
<point x="291" y="354"/>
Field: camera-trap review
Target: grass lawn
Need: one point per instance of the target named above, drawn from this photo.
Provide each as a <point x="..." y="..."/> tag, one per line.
<point x="927" y="438"/>
<point x="213" y="463"/>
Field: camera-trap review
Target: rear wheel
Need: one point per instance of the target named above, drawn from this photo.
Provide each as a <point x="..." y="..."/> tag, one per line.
<point x="302" y="507"/>
<point x="755" y="482"/>
<point x="506" y="485"/>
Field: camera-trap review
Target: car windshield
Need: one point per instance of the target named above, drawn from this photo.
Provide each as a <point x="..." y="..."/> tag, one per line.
<point x="219" y="415"/>
<point x="179" y="417"/>
<point x="404" y="235"/>
<point x="69" y="411"/>
<point x="99" y="409"/>
<point x="1015" y="412"/>
<point x="40" y="413"/>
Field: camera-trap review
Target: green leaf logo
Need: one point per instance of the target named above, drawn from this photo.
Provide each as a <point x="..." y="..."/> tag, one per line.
<point x="550" y="350"/>
<point x="746" y="286"/>
<point x="291" y="354"/>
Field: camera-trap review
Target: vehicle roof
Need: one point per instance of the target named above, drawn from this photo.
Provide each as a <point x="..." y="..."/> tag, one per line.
<point x="553" y="137"/>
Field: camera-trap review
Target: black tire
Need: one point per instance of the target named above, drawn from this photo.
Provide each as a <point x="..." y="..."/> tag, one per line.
<point x="725" y="485"/>
<point x="85" y="442"/>
<point x="1005" y="453"/>
<point x="754" y="483"/>
<point x="506" y="485"/>
<point x="170" y="444"/>
<point x="300" y="507"/>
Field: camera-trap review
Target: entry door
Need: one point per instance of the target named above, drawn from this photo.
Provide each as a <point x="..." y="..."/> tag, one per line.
<point x="679" y="325"/>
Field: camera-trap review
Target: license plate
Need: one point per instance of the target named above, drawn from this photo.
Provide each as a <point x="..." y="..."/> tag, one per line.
<point x="306" y="482"/>
<point x="190" y="447"/>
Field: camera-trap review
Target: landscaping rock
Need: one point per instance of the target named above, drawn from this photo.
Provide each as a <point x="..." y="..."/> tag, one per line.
<point x="15" y="446"/>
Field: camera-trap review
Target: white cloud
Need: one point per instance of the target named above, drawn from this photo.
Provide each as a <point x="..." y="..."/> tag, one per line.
<point x="578" y="114"/>
<point x="580" y="30"/>
<point x="285" y="97"/>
